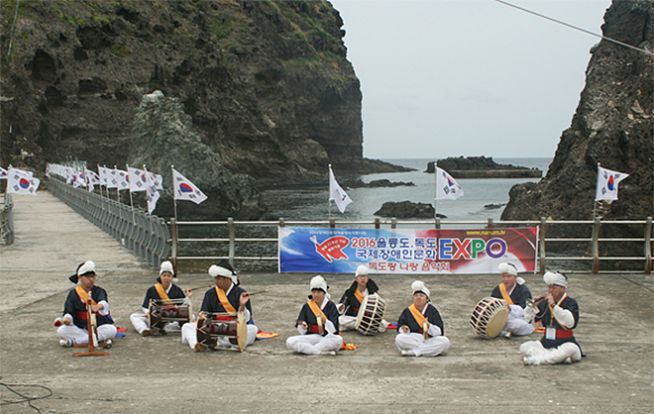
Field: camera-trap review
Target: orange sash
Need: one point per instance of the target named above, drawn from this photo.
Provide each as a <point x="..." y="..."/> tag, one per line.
<point x="83" y="295"/>
<point x="358" y="295"/>
<point x="316" y="310"/>
<point x="161" y="291"/>
<point x="222" y="297"/>
<point x="417" y="315"/>
<point x="505" y="294"/>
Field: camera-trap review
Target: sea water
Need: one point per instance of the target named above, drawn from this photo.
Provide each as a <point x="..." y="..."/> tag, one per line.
<point x="311" y="203"/>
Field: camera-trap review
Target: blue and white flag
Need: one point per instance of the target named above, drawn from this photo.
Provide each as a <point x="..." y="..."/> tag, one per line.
<point x="184" y="189"/>
<point x="21" y="182"/>
<point x="446" y="187"/>
<point x="607" y="183"/>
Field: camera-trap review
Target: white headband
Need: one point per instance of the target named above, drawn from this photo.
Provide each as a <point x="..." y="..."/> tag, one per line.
<point x="419" y="286"/>
<point x="215" y="271"/>
<point x="555" y="278"/>
<point x="509" y="268"/>
<point x="87" y="267"/>
<point x="318" y="282"/>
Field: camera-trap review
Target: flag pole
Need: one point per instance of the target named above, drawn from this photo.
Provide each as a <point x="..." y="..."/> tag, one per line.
<point x="595" y="201"/>
<point x="172" y="171"/>
<point x="131" y="200"/>
<point x="435" y="190"/>
<point x="329" y="196"/>
<point x="117" y="187"/>
<point x="101" y="193"/>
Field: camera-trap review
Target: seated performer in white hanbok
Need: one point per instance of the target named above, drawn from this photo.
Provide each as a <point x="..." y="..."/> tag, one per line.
<point x="317" y="323"/>
<point x="515" y="293"/>
<point x="72" y="327"/>
<point x="559" y="314"/>
<point x="225" y="297"/>
<point x="162" y="290"/>
<point x="353" y="297"/>
<point x="420" y="327"/>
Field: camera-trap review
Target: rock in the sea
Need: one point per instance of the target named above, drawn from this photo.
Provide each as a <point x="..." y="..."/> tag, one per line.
<point x="407" y="209"/>
<point x="493" y="206"/>
<point x="378" y="183"/>
<point x="482" y="167"/>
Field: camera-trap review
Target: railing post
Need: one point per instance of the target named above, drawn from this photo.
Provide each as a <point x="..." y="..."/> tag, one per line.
<point x="393" y="223"/>
<point x="437" y="223"/>
<point x="648" y="246"/>
<point x="332" y="223"/>
<point x="173" y="238"/>
<point x="230" y="229"/>
<point x="541" y="245"/>
<point x="377" y="223"/>
<point x="595" y="245"/>
<point x="282" y="222"/>
<point x="490" y="223"/>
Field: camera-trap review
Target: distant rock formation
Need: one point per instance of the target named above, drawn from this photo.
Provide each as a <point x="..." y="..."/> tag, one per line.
<point x="407" y="209"/>
<point x="482" y="167"/>
<point x="378" y="183"/>
<point x="613" y="125"/>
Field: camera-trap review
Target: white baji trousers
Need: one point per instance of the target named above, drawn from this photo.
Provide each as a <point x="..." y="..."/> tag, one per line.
<point x="141" y="323"/>
<point x="314" y="344"/>
<point x="516" y="323"/>
<point x="189" y="336"/>
<point x="538" y="354"/>
<point x="81" y="336"/>
<point x="415" y="342"/>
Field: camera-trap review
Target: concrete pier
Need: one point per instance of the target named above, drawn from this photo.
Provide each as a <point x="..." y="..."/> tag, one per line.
<point x="160" y="375"/>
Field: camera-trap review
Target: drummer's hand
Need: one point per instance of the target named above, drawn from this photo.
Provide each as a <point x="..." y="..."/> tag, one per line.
<point x="96" y="307"/>
<point x="341" y="308"/>
<point x="202" y="315"/>
<point x="404" y="329"/>
<point x="303" y="324"/>
<point x="189" y="293"/>
<point x="245" y="297"/>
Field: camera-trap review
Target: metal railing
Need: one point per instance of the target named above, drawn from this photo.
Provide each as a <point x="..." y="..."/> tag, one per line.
<point x="146" y="235"/>
<point x="548" y="254"/>
<point x="7" y="220"/>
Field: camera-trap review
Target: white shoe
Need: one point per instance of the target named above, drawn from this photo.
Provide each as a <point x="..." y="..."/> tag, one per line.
<point x="568" y="360"/>
<point x="332" y="353"/>
<point x="66" y="343"/>
<point x="407" y="352"/>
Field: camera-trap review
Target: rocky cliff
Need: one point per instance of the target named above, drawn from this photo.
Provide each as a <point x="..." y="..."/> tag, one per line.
<point x="613" y="125"/>
<point x="266" y="84"/>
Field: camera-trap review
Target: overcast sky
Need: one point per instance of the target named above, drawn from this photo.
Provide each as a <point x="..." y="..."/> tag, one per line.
<point x="467" y="77"/>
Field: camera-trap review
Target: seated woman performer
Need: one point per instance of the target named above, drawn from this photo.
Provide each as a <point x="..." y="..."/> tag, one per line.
<point x="317" y="323"/>
<point x="163" y="289"/>
<point x="72" y="327"/>
<point x="420" y="327"/>
<point x="354" y="296"/>
<point x="515" y="293"/>
<point x="225" y="297"/>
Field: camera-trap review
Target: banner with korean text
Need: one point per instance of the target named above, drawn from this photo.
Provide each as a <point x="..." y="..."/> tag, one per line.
<point x="326" y="250"/>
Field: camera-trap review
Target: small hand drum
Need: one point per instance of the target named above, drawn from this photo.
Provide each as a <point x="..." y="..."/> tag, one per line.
<point x="223" y="325"/>
<point x="163" y="311"/>
<point x="371" y="313"/>
<point x="489" y="317"/>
